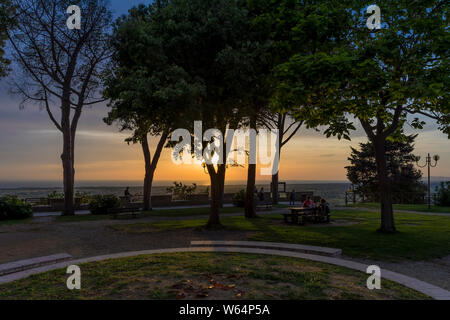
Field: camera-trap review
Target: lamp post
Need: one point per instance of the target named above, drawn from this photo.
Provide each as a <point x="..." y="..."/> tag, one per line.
<point x="429" y="165"/>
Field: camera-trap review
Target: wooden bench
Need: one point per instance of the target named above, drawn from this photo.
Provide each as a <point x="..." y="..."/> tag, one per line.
<point x="125" y="213"/>
<point x="263" y="206"/>
<point x="37" y="201"/>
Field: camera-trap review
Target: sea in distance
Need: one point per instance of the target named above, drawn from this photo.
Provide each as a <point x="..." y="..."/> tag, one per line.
<point x="333" y="191"/>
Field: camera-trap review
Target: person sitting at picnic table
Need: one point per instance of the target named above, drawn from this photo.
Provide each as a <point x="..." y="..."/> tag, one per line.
<point x="308" y="203"/>
<point x="292" y="198"/>
<point x="127" y="194"/>
<point x="317" y="204"/>
<point x="324" y="206"/>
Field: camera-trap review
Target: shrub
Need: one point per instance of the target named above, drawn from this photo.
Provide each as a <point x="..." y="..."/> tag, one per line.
<point x="55" y="195"/>
<point x="239" y="199"/>
<point x="12" y="208"/>
<point x="84" y="196"/>
<point x="181" y="191"/>
<point x="100" y="204"/>
<point x="442" y="195"/>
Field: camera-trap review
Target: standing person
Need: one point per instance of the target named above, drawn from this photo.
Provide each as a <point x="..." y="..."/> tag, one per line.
<point x="292" y="198"/>
<point x="261" y="195"/>
<point x="325" y="210"/>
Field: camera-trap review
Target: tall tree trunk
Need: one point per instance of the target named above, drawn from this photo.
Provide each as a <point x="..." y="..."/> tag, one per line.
<point x="250" y="201"/>
<point x="150" y="167"/>
<point x="68" y="172"/>
<point x="221" y="193"/>
<point x="387" y="213"/>
<point x="217" y="187"/>
<point x="275" y="188"/>
<point x="73" y="131"/>
<point x="148" y="179"/>
<point x="275" y="177"/>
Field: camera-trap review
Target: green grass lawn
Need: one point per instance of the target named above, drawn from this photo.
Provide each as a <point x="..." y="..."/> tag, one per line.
<point x="206" y="275"/>
<point x="419" y="237"/>
<point x="407" y="207"/>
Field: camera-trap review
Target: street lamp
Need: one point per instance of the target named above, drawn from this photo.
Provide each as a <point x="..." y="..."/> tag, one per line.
<point x="429" y="165"/>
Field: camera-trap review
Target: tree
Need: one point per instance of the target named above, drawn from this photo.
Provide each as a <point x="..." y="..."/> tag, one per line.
<point x="258" y="90"/>
<point x="290" y="27"/>
<point x="405" y="179"/>
<point x="61" y="67"/>
<point x="6" y="22"/>
<point x="263" y="117"/>
<point x="442" y="194"/>
<point x="377" y="76"/>
<point x="287" y="128"/>
<point x="206" y="39"/>
<point x="149" y="95"/>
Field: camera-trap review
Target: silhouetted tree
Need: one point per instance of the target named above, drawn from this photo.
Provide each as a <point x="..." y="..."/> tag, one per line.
<point x="287" y="127"/>
<point x="209" y="40"/>
<point x="149" y="95"/>
<point x="377" y="76"/>
<point x="61" y="67"/>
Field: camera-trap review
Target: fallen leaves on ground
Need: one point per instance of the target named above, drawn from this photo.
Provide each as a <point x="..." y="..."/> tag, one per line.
<point x="181" y="289"/>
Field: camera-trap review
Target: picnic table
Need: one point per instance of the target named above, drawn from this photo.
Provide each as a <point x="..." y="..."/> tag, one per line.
<point x="304" y="214"/>
<point x="297" y="212"/>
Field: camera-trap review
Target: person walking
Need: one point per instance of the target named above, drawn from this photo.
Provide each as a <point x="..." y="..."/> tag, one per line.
<point x="292" y="198"/>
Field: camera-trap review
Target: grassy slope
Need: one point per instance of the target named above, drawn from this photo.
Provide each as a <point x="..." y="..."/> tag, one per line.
<point x="201" y="275"/>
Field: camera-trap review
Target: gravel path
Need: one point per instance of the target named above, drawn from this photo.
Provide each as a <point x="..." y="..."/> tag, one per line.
<point x="436" y="271"/>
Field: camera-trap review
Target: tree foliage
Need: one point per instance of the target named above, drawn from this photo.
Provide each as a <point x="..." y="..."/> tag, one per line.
<point x="405" y="178"/>
<point x="378" y="77"/>
<point x="148" y="92"/>
<point x="59" y="69"/>
<point x="442" y="194"/>
<point x="6" y="22"/>
<point x="212" y="41"/>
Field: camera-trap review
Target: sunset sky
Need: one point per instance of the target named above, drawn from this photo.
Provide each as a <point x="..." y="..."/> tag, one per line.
<point x="30" y="148"/>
